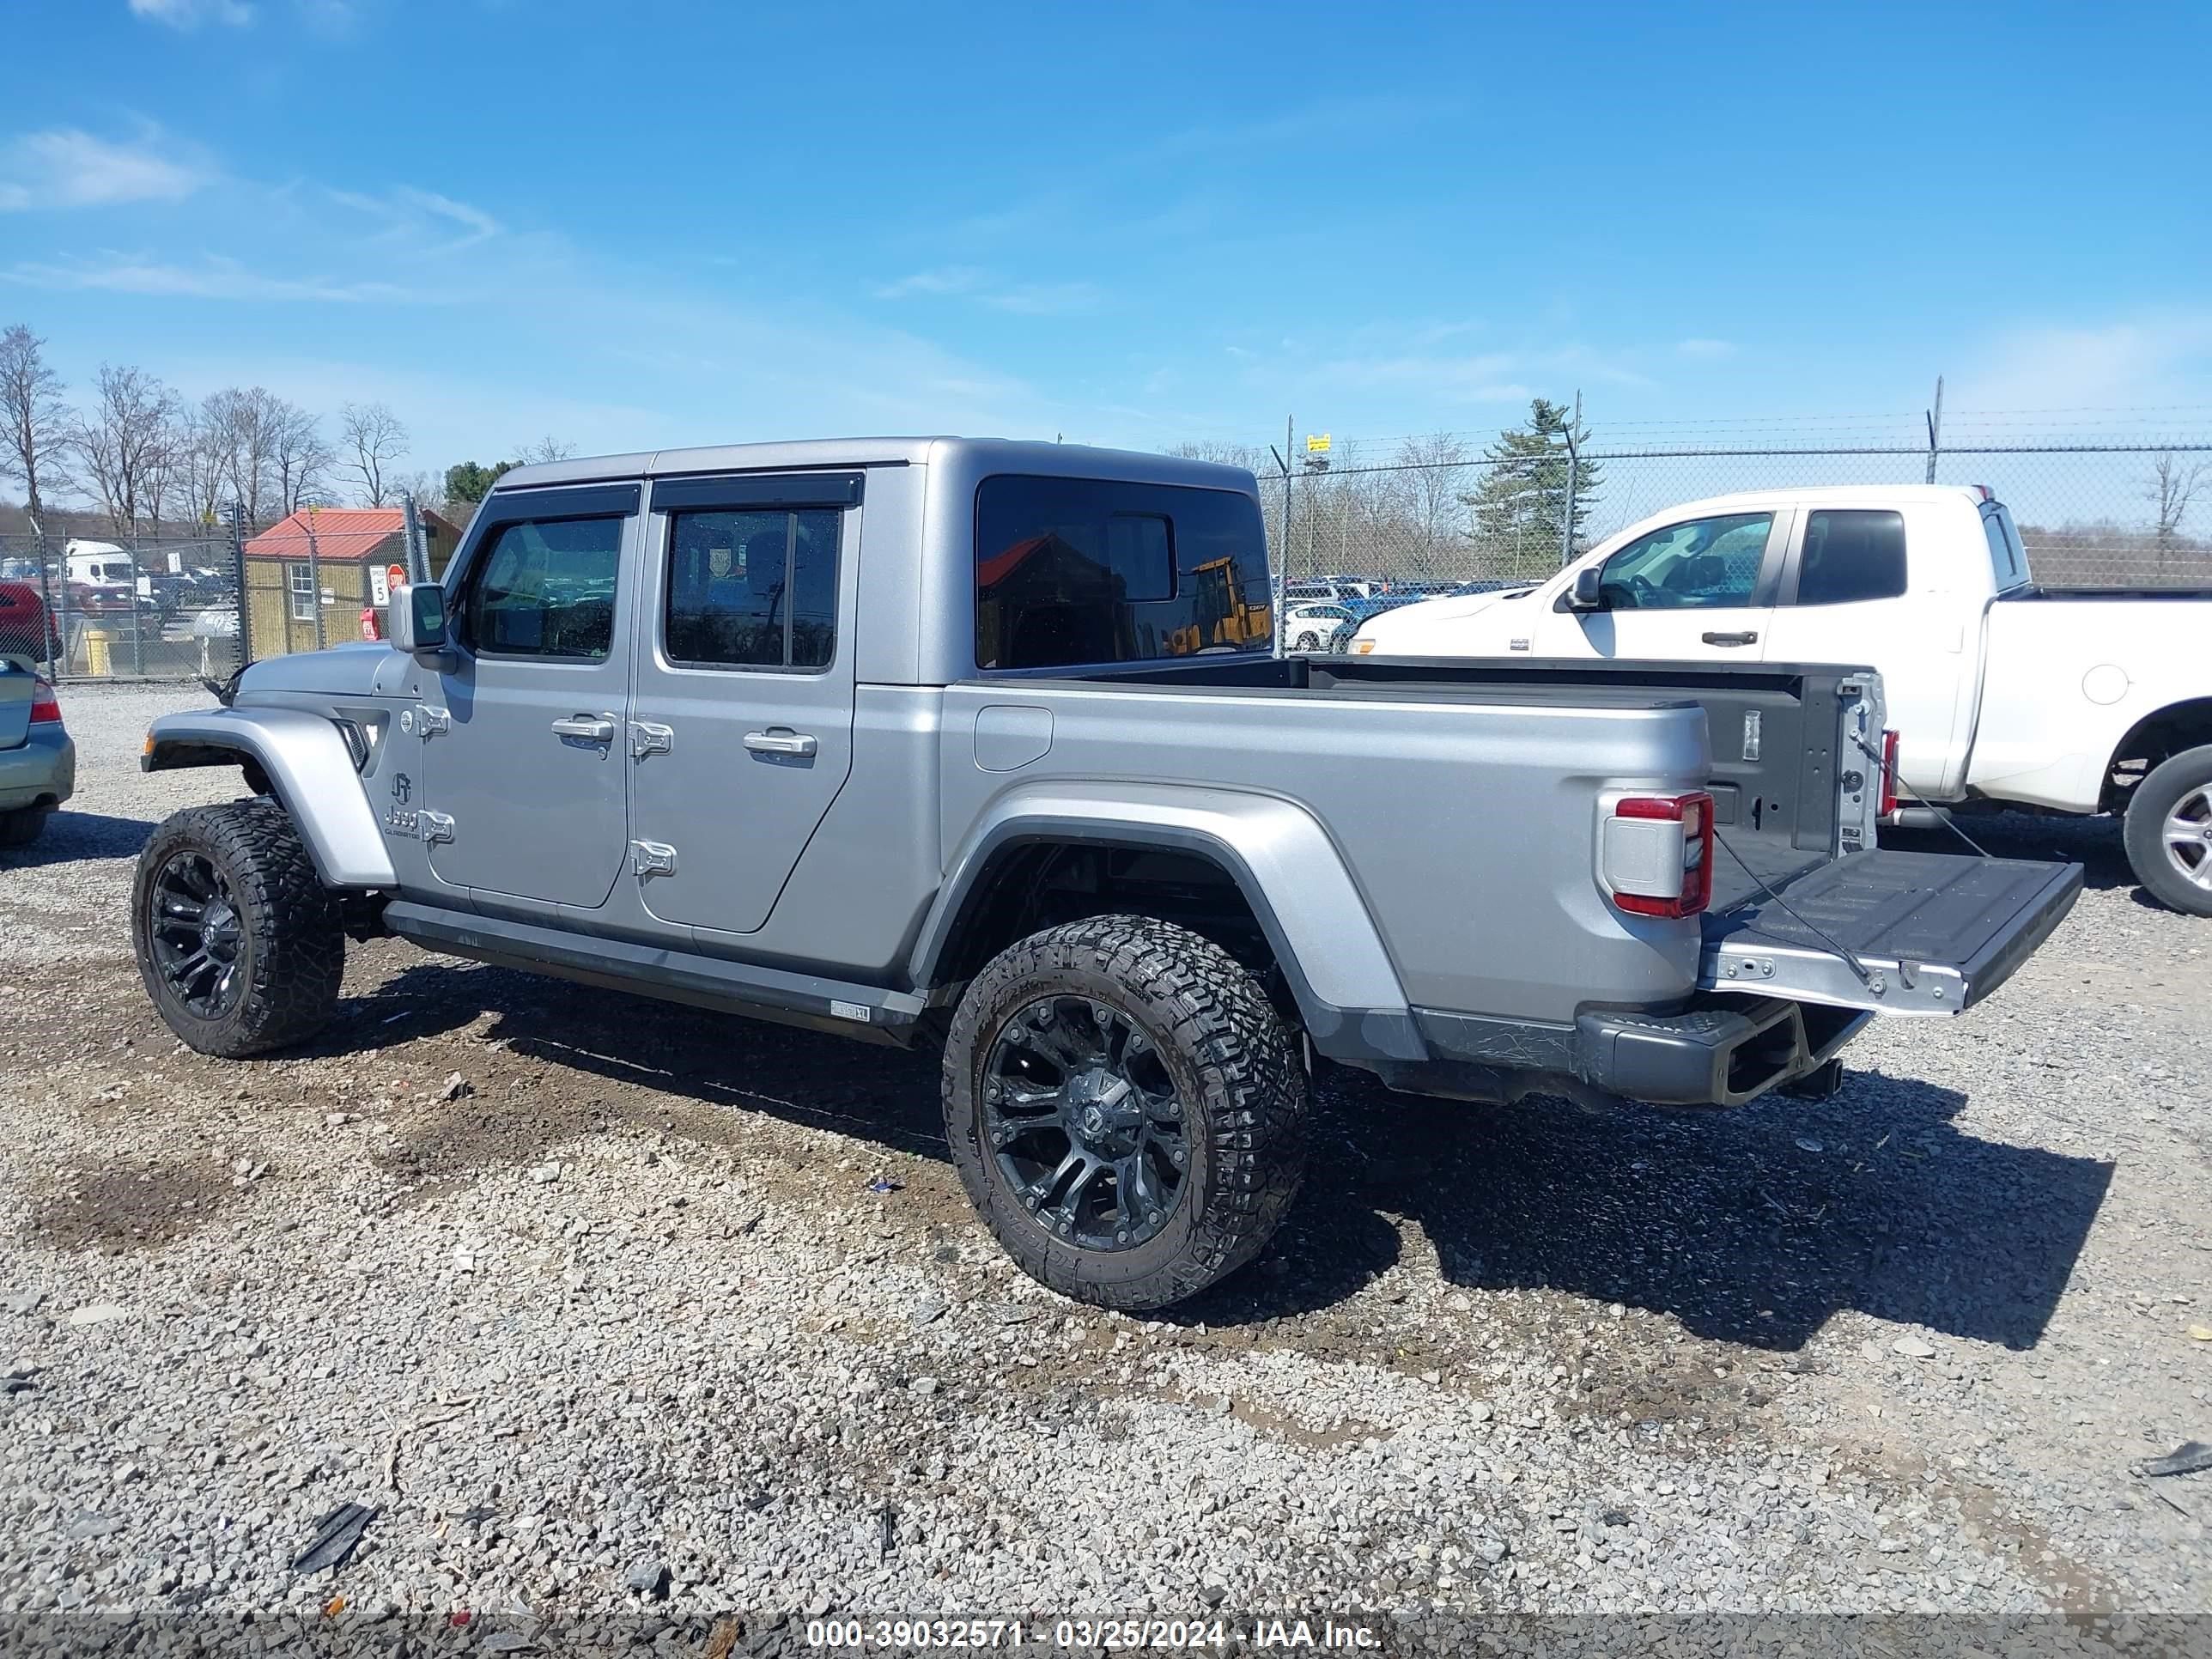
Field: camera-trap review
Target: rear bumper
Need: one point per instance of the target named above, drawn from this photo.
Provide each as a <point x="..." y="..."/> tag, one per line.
<point x="1724" y="1052"/>
<point x="41" y="772"/>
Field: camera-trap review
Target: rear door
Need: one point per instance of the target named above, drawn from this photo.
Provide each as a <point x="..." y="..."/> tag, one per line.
<point x="1871" y="583"/>
<point x="742" y="722"/>
<point x="1700" y="589"/>
<point x="521" y="790"/>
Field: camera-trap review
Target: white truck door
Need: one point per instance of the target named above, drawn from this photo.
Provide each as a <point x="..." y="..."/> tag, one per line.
<point x="1876" y="585"/>
<point x="1700" y="589"/>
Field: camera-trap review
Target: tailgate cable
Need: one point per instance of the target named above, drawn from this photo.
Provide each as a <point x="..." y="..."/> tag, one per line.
<point x="1866" y="978"/>
<point x="1898" y="789"/>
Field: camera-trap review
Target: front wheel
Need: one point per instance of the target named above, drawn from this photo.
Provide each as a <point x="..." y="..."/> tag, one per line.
<point x="1308" y="642"/>
<point x="2169" y="832"/>
<point x="1125" y="1108"/>
<point x="238" y="941"/>
<point x="21" y="828"/>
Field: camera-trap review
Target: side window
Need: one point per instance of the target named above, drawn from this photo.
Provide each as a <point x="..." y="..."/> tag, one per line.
<point x="1081" y="571"/>
<point x="753" y="589"/>
<point x="546" y="588"/>
<point x="2008" y="562"/>
<point x="1703" y="564"/>
<point x="300" y="580"/>
<point x="1851" y="553"/>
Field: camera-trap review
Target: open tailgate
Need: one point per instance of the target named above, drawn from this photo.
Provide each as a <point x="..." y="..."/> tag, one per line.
<point x="1933" y="933"/>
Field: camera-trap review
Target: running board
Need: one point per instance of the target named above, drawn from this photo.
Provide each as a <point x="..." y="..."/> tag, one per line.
<point x="703" y="982"/>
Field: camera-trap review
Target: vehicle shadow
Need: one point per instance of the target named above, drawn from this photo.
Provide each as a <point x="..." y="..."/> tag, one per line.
<point x="70" y="837"/>
<point x="2092" y="843"/>
<point x="1723" y="1220"/>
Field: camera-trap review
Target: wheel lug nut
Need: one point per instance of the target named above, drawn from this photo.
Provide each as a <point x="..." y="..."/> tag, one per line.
<point x="1178" y="1154"/>
<point x="1121" y="1235"/>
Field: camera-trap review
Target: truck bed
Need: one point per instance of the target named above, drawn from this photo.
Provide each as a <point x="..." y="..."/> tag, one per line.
<point x="1779" y="731"/>
<point x="1804" y="904"/>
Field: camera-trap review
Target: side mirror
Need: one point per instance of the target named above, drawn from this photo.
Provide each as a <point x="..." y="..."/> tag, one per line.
<point x="1588" y="592"/>
<point x="417" y="618"/>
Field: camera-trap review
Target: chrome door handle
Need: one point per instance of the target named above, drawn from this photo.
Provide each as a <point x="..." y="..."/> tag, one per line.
<point x="592" y="728"/>
<point x="781" y="742"/>
<point x="1731" y="639"/>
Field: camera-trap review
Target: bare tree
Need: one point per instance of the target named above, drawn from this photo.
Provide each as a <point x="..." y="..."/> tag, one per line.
<point x="242" y="426"/>
<point x="1433" y="484"/>
<point x="376" y="437"/>
<point x="2173" y="484"/>
<point x="303" y="460"/>
<point x="197" y="444"/>
<point x="429" y="489"/>
<point x="35" y="448"/>
<point x="124" y="442"/>
<point x="547" y="448"/>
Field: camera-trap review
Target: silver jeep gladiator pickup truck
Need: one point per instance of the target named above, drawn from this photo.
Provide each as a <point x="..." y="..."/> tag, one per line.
<point x="983" y="745"/>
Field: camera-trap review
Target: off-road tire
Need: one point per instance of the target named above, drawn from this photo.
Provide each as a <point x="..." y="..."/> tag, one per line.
<point x="2153" y="800"/>
<point x="1232" y="1062"/>
<point x="22" y="827"/>
<point x="292" y="953"/>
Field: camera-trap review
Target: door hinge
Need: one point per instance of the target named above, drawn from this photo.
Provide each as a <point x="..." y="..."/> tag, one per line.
<point x="647" y="739"/>
<point x="652" y="858"/>
<point x="424" y="723"/>
<point x="435" y="826"/>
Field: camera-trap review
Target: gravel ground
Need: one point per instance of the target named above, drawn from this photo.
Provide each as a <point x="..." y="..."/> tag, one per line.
<point x="611" y="1308"/>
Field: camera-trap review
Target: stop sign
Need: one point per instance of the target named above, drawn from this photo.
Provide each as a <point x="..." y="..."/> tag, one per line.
<point x="395" y="573"/>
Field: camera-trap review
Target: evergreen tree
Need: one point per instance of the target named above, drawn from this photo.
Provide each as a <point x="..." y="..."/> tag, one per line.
<point x="1522" y="505"/>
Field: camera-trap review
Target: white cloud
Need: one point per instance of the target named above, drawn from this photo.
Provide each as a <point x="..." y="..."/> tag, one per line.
<point x="2145" y="364"/>
<point x="66" y="167"/>
<point x="191" y="14"/>
<point x="945" y="279"/>
<point x="215" y="278"/>
<point x="972" y="282"/>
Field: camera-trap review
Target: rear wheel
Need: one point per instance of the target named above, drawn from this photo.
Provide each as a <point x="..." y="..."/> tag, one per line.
<point x="239" y="943"/>
<point x="21" y="828"/>
<point x="1308" y="642"/>
<point x="1125" y="1108"/>
<point x="2169" y="832"/>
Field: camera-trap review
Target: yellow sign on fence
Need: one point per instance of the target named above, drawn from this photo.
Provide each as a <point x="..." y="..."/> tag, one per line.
<point x="1317" y="443"/>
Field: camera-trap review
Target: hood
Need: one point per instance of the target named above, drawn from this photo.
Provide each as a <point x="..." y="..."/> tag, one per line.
<point x="347" y="669"/>
<point x="1456" y="608"/>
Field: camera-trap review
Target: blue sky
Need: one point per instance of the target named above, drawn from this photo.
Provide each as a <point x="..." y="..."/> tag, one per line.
<point x="651" y="224"/>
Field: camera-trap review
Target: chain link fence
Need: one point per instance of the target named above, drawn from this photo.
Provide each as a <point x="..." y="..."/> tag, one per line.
<point x="2092" y="515"/>
<point x="136" y="608"/>
<point x="179" y="608"/>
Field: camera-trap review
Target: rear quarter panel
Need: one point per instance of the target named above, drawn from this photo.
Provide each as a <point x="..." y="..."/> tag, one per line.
<point x="1467" y="827"/>
<point x="2066" y="680"/>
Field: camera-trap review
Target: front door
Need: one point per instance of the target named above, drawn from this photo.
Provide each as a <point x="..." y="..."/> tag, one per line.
<point x="525" y="787"/>
<point x="1699" y="590"/>
<point x="743" y="731"/>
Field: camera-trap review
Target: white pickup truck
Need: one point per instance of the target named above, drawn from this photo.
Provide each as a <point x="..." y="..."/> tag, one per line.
<point x="2077" y="701"/>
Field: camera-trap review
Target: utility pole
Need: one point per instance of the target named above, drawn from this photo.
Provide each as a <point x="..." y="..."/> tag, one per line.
<point x="1574" y="462"/>
<point x="1934" y="428"/>
<point x="1279" y="577"/>
<point x="235" y="512"/>
<point x="315" y="576"/>
<point x="418" y="562"/>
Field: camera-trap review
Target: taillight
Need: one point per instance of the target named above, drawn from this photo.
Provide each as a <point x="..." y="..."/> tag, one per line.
<point x="1888" y="773"/>
<point x="45" y="708"/>
<point x="1658" y="855"/>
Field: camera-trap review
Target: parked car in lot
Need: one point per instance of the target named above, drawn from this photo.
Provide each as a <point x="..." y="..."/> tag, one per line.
<point x="971" y="771"/>
<point x="38" y="762"/>
<point x="2002" y="692"/>
<point x="1315" y="625"/>
<point x="28" y="629"/>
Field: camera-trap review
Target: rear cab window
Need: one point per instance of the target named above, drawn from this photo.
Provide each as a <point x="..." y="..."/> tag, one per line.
<point x="2008" y="558"/>
<point x="1074" y="572"/>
